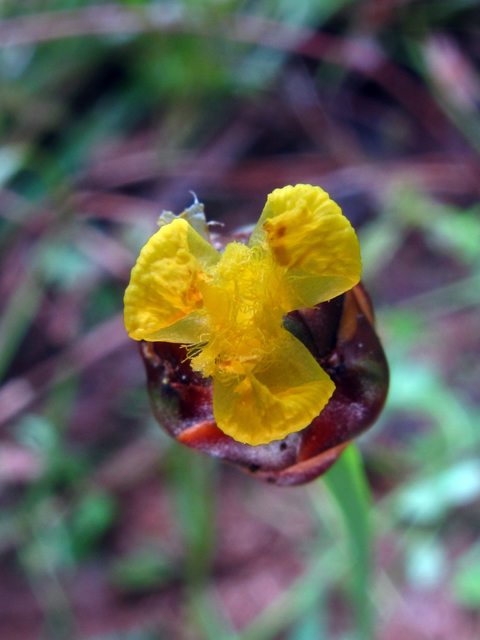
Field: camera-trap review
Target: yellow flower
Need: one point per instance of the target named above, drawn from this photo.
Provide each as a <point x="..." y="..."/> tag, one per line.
<point x="228" y="308"/>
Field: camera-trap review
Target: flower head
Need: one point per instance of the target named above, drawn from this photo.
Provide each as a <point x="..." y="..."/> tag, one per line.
<point x="228" y="308"/>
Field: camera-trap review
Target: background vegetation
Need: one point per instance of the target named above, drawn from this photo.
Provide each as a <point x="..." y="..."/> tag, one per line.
<point x="110" y="113"/>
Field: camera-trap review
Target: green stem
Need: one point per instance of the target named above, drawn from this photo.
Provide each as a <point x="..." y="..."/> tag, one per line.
<point x="348" y="485"/>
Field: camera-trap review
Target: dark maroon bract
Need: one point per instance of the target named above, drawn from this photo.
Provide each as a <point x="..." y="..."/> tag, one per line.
<point x="341" y="336"/>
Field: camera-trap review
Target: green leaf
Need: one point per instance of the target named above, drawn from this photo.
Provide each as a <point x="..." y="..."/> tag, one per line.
<point x="92" y="518"/>
<point x="194" y="482"/>
<point x="311" y="625"/>
<point x="430" y="499"/>
<point x="426" y="563"/>
<point x="11" y="159"/>
<point x="466" y="585"/>
<point x="144" y="570"/>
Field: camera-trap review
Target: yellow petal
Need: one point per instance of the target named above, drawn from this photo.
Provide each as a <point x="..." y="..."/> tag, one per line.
<point x="309" y="236"/>
<point x="163" y="285"/>
<point x="283" y="396"/>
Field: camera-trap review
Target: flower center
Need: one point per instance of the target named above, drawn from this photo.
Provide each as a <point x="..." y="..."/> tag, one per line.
<point x="241" y="299"/>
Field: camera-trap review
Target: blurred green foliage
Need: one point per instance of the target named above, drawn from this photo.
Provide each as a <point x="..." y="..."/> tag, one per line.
<point x="201" y="96"/>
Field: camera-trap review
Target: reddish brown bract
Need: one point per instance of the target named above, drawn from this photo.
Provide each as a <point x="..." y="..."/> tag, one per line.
<point x="341" y="336"/>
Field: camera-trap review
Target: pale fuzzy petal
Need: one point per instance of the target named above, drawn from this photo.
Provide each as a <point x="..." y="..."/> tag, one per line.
<point x="192" y="329"/>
